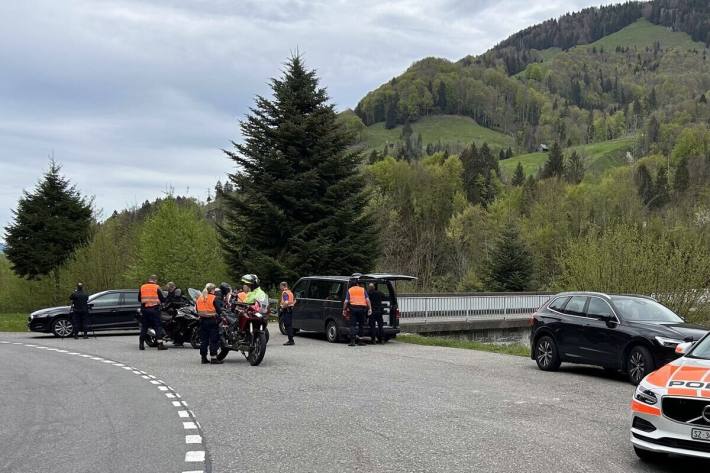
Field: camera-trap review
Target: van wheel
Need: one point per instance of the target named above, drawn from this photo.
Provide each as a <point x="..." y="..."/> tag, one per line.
<point x="546" y="355"/>
<point x="639" y="364"/>
<point x="331" y="332"/>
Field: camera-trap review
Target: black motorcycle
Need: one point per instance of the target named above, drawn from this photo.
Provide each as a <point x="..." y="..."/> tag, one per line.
<point x="243" y="330"/>
<point x="179" y="320"/>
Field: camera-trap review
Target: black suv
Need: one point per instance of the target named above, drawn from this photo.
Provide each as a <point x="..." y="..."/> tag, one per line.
<point x="631" y="333"/>
<point x="319" y="304"/>
<point x="109" y="310"/>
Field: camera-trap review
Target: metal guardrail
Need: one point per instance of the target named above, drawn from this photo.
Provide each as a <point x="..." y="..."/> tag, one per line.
<point x="468" y="306"/>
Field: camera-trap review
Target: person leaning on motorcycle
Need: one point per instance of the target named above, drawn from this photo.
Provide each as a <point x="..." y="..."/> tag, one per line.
<point x="209" y="307"/>
<point x="256" y="293"/>
<point x="151" y="296"/>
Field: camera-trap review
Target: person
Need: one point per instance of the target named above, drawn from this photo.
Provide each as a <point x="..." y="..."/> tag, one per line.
<point x="80" y="311"/>
<point x="286" y="311"/>
<point x="256" y="294"/>
<point x="358" y="303"/>
<point x="376" y="298"/>
<point x="150" y="296"/>
<point x="242" y="294"/>
<point x="209" y="307"/>
<point x="174" y="296"/>
<point x="173" y="301"/>
<point x="226" y="291"/>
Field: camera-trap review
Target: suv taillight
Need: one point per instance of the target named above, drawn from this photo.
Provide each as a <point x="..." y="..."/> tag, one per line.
<point x="396" y="313"/>
<point x="531" y="320"/>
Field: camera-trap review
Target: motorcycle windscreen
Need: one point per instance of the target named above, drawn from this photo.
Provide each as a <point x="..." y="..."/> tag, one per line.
<point x="194" y="293"/>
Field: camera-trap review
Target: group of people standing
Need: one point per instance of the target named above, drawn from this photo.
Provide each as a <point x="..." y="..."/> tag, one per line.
<point x="359" y="304"/>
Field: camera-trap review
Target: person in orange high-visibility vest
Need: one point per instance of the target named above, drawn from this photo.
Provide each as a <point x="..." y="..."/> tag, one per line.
<point x="209" y="307"/>
<point x="150" y="296"/>
<point x="286" y="311"/>
<point x="358" y="302"/>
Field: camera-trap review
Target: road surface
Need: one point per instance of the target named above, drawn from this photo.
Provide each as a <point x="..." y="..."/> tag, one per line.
<point x="319" y="407"/>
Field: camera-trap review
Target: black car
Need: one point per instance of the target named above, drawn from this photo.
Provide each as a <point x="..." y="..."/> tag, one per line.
<point x="319" y="304"/>
<point x="109" y="310"/>
<point x="631" y="333"/>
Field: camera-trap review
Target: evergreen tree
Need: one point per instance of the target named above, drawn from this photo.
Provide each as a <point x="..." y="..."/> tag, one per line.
<point x="518" y="176"/>
<point x="509" y="153"/>
<point x="554" y="166"/>
<point x="442" y="96"/>
<point x="574" y="169"/>
<point x="653" y="129"/>
<point x="681" y="179"/>
<point x="661" y="191"/>
<point x="501" y="155"/>
<point x="50" y="223"/>
<point x="509" y="267"/>
<point x="644" y="184"/>
<point x="391" y="113"/>
<point x="299" y="205"/>
<point x="652" y="100"/>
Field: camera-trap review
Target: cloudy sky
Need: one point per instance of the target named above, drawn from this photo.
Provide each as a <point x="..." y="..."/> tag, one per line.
<point x="135" y="97"/>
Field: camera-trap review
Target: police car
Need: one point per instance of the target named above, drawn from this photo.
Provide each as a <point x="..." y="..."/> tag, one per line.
<point x="671" y="406"/>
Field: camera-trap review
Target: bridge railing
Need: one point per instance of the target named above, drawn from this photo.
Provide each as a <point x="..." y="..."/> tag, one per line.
<point x="439" y="307"/>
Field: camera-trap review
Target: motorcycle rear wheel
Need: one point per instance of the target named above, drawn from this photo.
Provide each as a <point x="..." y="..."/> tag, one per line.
<point x="151" y="340"/>
<point x="256" y="354"/>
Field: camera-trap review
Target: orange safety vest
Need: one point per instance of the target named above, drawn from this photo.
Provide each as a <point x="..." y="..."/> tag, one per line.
<point x="242" y="297"/>
<point x="149" y="295"/>
<point x="291" y="300"/>
<point x="205" y="306"/>
<point x="357" y="296"/>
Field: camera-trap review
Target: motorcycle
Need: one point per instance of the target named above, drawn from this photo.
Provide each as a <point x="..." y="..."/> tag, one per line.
<point x="243" y="330"/>
<point x="179" y="320"/>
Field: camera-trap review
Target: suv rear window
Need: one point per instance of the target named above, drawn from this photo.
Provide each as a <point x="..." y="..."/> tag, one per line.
<point x="575" y="306"/>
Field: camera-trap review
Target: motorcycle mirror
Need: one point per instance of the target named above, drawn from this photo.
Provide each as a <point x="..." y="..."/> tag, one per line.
<point x="194" y="293"/>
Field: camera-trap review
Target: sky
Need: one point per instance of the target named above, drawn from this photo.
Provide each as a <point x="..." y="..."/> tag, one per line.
<point x="136" y="98"/>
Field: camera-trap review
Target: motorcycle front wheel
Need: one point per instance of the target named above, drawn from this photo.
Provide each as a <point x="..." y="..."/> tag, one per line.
<point x="258" y="350"/>
<point x="150" y="339"/>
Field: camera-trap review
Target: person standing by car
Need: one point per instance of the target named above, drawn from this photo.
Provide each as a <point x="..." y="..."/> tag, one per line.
<point x="209" y="307"/>
<point x="358" y="303"/>
<point x="80" y="311"/>
<point x="376" y="297"/>
<point x="286" y="311"/>
<point x="150" y="296"/>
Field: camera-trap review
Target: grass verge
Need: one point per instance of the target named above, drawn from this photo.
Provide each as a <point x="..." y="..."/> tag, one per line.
<point x="507" y="348"/>
<point x="13" y="322"/>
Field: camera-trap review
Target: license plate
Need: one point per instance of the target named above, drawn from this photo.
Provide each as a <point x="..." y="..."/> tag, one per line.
<point x="698" y="434"/>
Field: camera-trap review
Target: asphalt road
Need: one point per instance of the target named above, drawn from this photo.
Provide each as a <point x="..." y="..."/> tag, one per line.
<point x="317" y="407"/>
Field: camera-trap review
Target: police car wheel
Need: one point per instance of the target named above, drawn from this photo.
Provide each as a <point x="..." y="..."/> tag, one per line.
<point x="62" y="327"/>
<point x="647" y="455"/>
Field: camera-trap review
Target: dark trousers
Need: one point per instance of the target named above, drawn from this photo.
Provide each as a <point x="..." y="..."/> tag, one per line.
<point x="209" y="335"/>
<point x="376" y="318"/>
<point x="151" y="319"/>
<point x="357" y="318"/>
<point x="287" y="319"/>
<point x="80" y="322"/>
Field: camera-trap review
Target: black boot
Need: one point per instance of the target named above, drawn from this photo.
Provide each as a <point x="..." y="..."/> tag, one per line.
<point x="76" y="337"/>
<point x="205" y="361"/>
<point x="141" y="343"/>
<point x="215" y="361"/>
<point x="161" y="346"/>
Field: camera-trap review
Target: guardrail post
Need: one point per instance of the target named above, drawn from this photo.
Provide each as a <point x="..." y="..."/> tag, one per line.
<point x="505" y="308"/>
<point x="426" y="309"/>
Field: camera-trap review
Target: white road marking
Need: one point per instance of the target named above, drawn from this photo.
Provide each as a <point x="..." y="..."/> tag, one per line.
<point x="63" y="351"/>
<point x="189" y="425"/>
<point x="195" y="456"/>
<point x="194" y="471"/>
<point x="152" y="381"/>
<point x="163" y="388"/>
<point x="170" y="395"/>
<point x="193" y="439"/>
<point x="145" y="377"/>
<point x="136" y="372"/>
<point x="183" y="414"/>
<point x="151" y="376"/>
<point x="176" y="403"/>
<point x="127" y="368"/>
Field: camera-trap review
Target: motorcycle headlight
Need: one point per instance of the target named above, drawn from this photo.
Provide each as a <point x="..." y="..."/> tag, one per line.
<point x="645" y="395"/>
<point x="668" y="342"/>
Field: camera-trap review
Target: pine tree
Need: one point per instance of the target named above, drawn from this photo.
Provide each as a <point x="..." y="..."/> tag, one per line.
<point x="661" y="191"/>
<point x="509" y="266"/>
<point x="518" y="176"/>
<point x="501" y="155"/>
<point x="681" y="179"/>
<point x="554" y="166"/>
<point x="644" y="184"/>
<point x="50" y="223"/>
<point x="509" y="153"/>
<point x="391" y="113"/>
<point x="299" y="205"/>
<point x="442" y="97"/>
<point x="574" y="169"/>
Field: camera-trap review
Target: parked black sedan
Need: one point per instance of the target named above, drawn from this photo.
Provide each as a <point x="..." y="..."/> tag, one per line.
<point x="630" y="333"/>
<point x="109" y="310"/>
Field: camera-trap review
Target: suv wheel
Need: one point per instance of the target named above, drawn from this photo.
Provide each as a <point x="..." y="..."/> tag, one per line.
<point x="331" y="332"/>
<point x="546" y="355"/>
<point x="62" y="327"/>
<point x="639" y="364"/>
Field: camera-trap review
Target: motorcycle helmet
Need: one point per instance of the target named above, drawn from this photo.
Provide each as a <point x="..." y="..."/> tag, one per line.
<point x="225" y="288"/>
<point x="250" y="280"/>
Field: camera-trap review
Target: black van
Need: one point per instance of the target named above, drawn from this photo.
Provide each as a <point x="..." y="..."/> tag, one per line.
<point x="319" y="304"/>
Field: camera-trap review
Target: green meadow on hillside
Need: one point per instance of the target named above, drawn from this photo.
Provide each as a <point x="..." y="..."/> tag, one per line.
<point x="644" y="34"/>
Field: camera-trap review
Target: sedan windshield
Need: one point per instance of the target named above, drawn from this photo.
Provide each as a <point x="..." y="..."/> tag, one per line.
<point x="701" y="349"/>
<point x="637" y="309"/>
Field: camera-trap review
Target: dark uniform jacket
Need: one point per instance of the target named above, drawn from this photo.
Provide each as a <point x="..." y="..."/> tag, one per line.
<point x="376" y="298"/>
<point x="79" y="301"/>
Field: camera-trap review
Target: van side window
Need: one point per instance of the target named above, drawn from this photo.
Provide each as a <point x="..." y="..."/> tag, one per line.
<point x="318" y="290"/>
<point x="299" y="290"/>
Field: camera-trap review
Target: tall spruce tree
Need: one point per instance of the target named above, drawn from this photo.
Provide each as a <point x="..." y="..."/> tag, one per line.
<point x="299" y="205"/>
<point x="554" y="166"/>
<point x="509" y="266"/>
<point x="518" y="176"/>
<point x="661" y="189"/>
<point x="50" y="223"/>
<point x="644" y="184"/>
<point x="681" y="178"/>
<point x="574" y="169"/>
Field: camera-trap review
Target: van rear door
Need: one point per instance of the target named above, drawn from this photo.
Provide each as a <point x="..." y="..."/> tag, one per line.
<point x="385" y="282"/>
